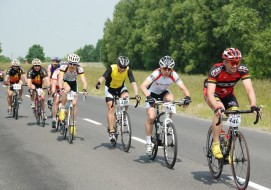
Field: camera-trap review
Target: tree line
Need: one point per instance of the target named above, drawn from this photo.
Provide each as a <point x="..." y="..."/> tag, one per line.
<point x="193" y="32"/>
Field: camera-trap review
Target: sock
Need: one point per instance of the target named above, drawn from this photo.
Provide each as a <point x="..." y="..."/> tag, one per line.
<point x="148" y="139"/>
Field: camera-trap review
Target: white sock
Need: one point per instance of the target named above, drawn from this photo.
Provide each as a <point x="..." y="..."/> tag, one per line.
<point x="148" y="139"/>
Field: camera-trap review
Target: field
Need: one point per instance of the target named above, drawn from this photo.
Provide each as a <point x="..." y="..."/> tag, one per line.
<point x="198" y="108"/>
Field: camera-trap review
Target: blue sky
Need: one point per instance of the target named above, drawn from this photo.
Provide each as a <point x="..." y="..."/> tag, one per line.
<point x="59" y="26"/>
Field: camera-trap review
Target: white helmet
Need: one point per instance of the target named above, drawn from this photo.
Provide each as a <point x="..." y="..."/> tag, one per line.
<point x="123" y="61"/>
<point x="73" y="58"/>
<point x="15" y="62"/>
<point x="167" y="61"/>
<point x="36" y="62"/>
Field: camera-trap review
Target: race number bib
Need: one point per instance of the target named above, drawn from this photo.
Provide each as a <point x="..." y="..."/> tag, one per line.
<point x="17" y="86"/>
<point x="169" y="107"/>
<point x="123" y="102"/>
<point x="234" y="120"/>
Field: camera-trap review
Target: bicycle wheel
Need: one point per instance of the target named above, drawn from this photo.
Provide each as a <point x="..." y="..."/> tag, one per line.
<point x="215" y="165"/>
<point x="71" y="123"/>
<point x="37" y="112"/>
<point x="126" y="132"/>
<point x="155" y="137"/>
<point x="170" y="145"/>
<point x="240" y="161"/>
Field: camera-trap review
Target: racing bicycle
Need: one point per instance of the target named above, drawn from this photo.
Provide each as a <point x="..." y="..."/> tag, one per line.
<point x="164" y="132"/>
<point x="234" y="149"/>
<point x="122" y="123"/>
<point x="39" y="114"/>
<point x="15" y="102"/>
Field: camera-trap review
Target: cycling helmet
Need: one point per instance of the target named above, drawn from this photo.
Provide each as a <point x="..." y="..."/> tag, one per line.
<point x="123" y="61"/>
<point x="15" y="62"/>
<point x="167" y="61"/>
<point x="232" y="54"/>
<point x="73" y="58"/>
<point x="56" y="59"/>
<point x="36" y="62"/>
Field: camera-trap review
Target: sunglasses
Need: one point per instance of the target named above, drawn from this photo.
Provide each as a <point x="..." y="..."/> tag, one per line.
<point x="233" y="63"/>
<point x="122" y="67"/>
<point x="36" y="65"/>
<point x="73" y="64"/>
<point x="166" y="69"/>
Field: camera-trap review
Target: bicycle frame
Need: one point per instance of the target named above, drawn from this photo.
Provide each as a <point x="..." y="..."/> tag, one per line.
<point x="38" y="107"/>
<point x="15" y="103"/>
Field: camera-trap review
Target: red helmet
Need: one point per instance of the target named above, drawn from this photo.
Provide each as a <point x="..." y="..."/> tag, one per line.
<point x="232" y="54"/>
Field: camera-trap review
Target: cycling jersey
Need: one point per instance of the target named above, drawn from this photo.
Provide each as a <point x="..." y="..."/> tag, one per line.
<point x="224" y="80"/>
<point x="37" y="76"/>
<point x="115" y="79"/>
<point x="71" y="75"/>
<point x="51" y="69"/>
<point x="15" y="75"/>
<point x="159" y="84"/>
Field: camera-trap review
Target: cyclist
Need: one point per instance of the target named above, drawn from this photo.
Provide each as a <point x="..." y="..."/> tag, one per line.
<point x="55" y="93"/>
<point x="55" y="63"/>
<point x="67" y="82"/>
<point x="115" y="77"/>
<point x="14" y="75"/>
<point x="219" y="90"/>
<point x="156" y="86"/>
<point x="35" y="77"/>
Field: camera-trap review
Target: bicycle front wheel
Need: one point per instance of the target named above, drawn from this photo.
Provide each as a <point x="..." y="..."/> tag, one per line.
<point x="71" y="125"/>
<point x="170" y="145"/>
<point x="215" y="165"/>
<point x="15" y="107"/>
<point x="126" y="132"/>
<point x="240" y="162"/>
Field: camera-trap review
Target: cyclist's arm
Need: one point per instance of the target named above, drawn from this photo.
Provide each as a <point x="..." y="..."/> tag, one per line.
<point x="211" y="95"/>
<point x="54" y="83"/>
<point x="250" y="91"/>
<point x="183" y="88"/>
<point x="6" y="78"/>
<point x="24" y="78"/>
<point x="101" y="80"/>
<point x="144" y="87"/>
<point x="47" y="81"/>
<point x="84" y="81"/>
<point x="132" y="81"/>
<point x="60" y="79"/>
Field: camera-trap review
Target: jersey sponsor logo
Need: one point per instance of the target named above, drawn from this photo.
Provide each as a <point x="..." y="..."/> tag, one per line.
<point x="226" y="84"/>
<point x="232" y="103"/>
<point x="216" y="71"/>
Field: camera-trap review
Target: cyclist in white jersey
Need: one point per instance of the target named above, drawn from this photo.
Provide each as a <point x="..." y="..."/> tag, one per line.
<point x="156" y="87"/>
<point x="67" y="82"/>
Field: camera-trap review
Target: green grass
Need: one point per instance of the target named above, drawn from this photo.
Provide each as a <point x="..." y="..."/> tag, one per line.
<point x="194" y="83"/>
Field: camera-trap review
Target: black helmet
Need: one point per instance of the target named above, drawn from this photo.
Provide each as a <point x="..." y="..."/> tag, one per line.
<point x="56" y="59"/>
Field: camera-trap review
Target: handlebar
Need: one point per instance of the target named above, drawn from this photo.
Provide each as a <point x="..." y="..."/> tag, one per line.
<point x="258" y="115"/>
<point x="160" y="102"/>
<point x="131" y="98"/>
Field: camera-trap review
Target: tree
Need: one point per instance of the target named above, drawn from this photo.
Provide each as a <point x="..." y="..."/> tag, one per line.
<point x="36" y="51"/>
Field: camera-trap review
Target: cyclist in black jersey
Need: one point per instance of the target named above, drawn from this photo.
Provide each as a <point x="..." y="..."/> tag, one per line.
<point x="14" y="75"/>
<point x="35" y="77"/>
<point x="115" y="77"/>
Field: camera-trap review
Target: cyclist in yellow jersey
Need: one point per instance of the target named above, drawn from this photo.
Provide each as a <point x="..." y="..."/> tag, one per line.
<point x="115" y="77"/>
<point x="67" y="82"/>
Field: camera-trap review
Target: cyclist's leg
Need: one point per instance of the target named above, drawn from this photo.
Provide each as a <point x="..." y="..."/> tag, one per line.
<point x="216" y="130"/>
<point x="151" y="114"/>
<point x="167" y="96"/>
<point x="67" y="88"/>
<point x="32" y="96"/>
<point x="9" y="98"/>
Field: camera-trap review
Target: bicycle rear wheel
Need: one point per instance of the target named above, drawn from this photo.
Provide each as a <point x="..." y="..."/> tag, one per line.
<point x="240" y="161"/>
<point x="126" y="132"/>
<point x="170" y="145"/>
<point x="215" y="165"/>
<point x="38" y="112"/>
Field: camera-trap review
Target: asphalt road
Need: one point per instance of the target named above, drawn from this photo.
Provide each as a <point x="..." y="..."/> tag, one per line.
<point x="32" y="157"/>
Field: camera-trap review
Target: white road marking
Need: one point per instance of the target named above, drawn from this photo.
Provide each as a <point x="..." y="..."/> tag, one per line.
<point x="92" y="121"/>
<point x="27" y="96"/>
<point x="139" y="140"/>
<point x="253" y="185"/>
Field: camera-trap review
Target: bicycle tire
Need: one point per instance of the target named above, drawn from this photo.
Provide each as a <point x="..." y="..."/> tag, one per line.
<point x="37" y="112"/>
<point x="155" y="137"/>
<point x="170" y="145"/>
<point x="16" y="107"/>
<point x="215" y="165"/>
<point x="126" y="132"/>
<point x="71" y="133"/>
<point x="240" y="163"/>
<point x="65" y="129"/>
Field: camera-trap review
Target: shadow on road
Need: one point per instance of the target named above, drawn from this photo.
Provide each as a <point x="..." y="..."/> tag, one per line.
<point x="206" y="178"/>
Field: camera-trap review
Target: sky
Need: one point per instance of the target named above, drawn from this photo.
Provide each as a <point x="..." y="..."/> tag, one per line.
<point x="59" y="26"/>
